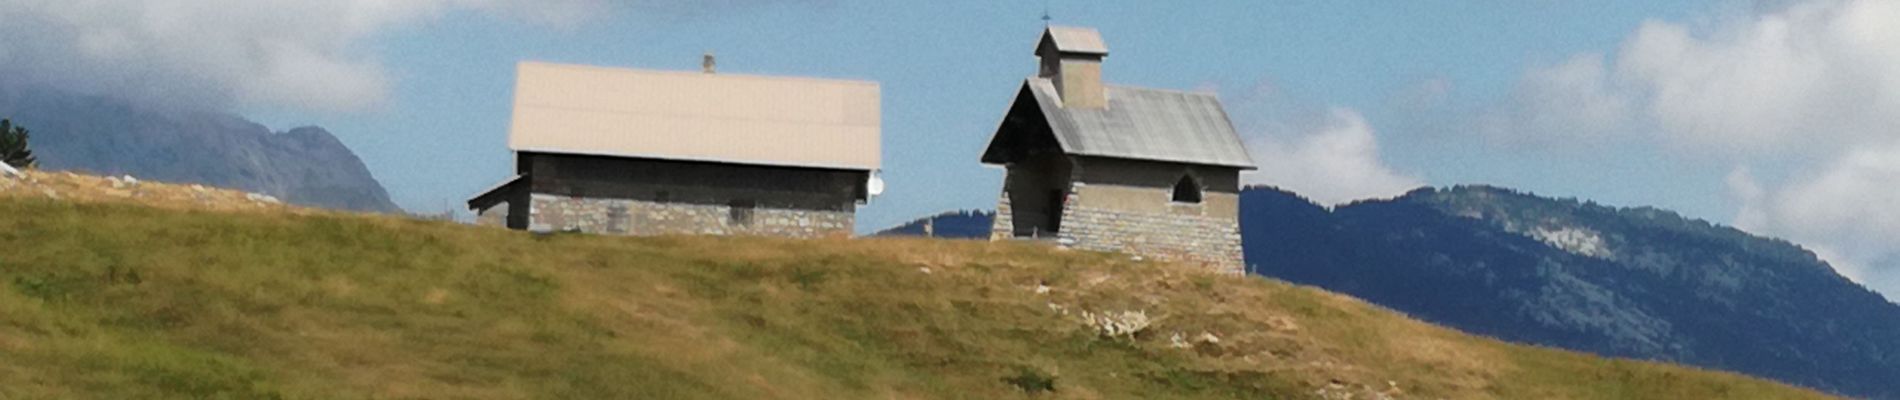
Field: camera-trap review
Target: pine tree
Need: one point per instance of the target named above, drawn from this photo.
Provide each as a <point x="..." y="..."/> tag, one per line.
<point x="13" y="150"/>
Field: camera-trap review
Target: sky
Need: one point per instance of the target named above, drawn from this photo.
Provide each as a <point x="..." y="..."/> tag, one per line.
<point x="1781" y="117"/>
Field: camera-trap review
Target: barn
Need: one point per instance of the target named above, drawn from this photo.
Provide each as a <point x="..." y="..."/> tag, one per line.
<point x="1149" y="172"/>
<point x="644" y="152"/>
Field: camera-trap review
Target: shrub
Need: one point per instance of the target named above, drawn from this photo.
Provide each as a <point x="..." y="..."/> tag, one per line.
<point x="1032" y="381"/>
<point x="13" y="149"/>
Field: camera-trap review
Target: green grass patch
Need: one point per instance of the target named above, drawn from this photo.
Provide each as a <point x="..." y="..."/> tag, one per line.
<point x="121" y="301"/>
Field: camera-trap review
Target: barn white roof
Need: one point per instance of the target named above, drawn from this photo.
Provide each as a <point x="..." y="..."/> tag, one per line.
<point x="695" y="116"/>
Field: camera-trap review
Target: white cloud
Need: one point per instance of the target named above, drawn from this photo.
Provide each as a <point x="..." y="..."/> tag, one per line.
<point x="1846" y="212"/>
<point x="1810" y="88"/>
<point x="215" y="53"/>
<point x="1815" y="77"/>
<point x="1572" y="102"/>
<point x="1335" y="162"/>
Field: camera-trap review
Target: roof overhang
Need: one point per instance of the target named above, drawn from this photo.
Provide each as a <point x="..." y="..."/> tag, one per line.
<point x="496" y="194"/>
<point x="663" y="157"/>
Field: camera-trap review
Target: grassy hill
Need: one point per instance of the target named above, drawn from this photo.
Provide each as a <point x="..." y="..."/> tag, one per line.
<point x="105" y="299"/>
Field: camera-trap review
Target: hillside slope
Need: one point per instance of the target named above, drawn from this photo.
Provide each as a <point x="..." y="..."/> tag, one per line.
<point x="1633" y="282"/>
<point x="110" y="299"/>
<point x="104" y="136"/>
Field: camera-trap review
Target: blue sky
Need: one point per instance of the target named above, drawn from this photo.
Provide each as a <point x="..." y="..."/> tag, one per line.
<point x="1775" y="116"/>
<point x="948" y="69"/>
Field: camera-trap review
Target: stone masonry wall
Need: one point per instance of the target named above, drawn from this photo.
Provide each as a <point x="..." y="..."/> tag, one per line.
<point x="1186" y="233"/>
<point x="643" y="218"/>
<point x="1004" y="224"/>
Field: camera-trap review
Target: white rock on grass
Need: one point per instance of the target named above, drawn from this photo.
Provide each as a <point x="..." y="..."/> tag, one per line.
<point x="1118" y="324"/>
<point x="1177" y="341"/>
<point x="9" y="171"/>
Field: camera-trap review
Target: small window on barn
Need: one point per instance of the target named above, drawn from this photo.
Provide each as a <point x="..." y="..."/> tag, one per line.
<point x="740" y="212"/>
<point x="1187" y="190"/>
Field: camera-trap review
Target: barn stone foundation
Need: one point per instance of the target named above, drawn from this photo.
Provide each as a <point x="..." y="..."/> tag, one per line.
<point x="645" y="218"/>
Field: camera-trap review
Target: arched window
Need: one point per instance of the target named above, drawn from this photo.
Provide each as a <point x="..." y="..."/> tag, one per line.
<point x="1187" y="190"/>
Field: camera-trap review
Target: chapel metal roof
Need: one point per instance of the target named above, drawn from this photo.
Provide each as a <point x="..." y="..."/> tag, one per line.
<point x="1141" y="124"/>
<point x="1072" y="39"/>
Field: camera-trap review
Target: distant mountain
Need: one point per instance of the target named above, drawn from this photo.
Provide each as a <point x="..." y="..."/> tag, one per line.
<point x="1634" y="282"/>
<point x="963" y="224"/>
<point x="306" y="166"/>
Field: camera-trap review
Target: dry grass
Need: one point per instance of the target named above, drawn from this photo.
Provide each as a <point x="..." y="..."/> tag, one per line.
<point x="108" y="300"/>
<point x="81" y="188"/>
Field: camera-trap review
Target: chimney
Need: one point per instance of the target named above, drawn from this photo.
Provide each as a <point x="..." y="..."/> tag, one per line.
<point x="707" y="64"/>
<point x="1072" y="59"/>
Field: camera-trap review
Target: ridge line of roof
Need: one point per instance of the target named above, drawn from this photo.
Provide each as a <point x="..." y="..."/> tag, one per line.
<point x="867" y="82"/>
<point x="1164" y="90"/>
<point x="599" y="110"/>
<point x="1191" y="92"/>
<point x="1086" y="153"/>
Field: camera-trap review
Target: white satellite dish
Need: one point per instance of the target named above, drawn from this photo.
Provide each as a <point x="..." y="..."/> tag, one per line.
<point x="875" y="186"/>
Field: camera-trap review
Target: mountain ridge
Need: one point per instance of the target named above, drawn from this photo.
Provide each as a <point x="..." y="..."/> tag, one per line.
<point x="104" y="136"/>
<point x="960" y="224"/>
<point x="1636" y="282"/>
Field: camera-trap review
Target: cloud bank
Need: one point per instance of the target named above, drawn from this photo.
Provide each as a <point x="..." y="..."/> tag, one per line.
<point x="1815" y="76"/>
<point x="1848" y="212"/>
<point x="1810" y="88"/>
<point x="1332" y="162"/>
<point x="297" y="54"/>
<point x="1569" y="103"/>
